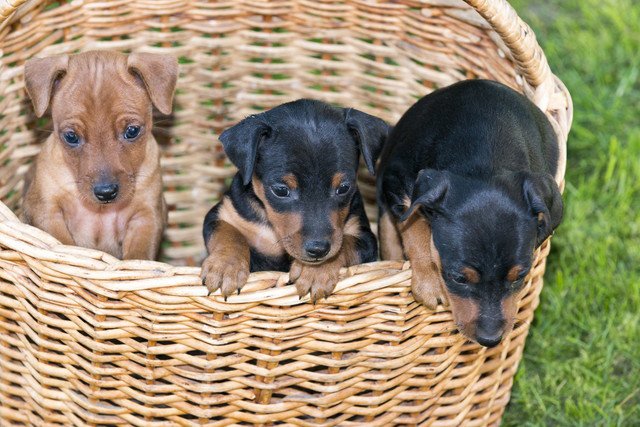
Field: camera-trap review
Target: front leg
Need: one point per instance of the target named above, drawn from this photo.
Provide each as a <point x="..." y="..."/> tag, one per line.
<point x="143" y="235"/>
<point x="227" y="266"/>
<point x="427" y="284"/>
<point x="390" y="243"/>
<point x="321" y="279"/>
<point x="51" y="220"/>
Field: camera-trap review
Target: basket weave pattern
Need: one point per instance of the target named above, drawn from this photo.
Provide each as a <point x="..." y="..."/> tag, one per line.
<point x="88" y="339"/>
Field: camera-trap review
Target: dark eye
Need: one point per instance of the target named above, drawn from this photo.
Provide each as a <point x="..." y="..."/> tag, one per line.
<point x="281" y="191"/>
<point x="71" y="138"/>
<point x="458" y="278"/>
<point x="131" y="132"/>
<point x="521" y="277"/>
<point x="343" y="189"/>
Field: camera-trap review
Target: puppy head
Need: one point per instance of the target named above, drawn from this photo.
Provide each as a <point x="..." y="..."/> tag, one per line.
<point x="101" y="105"/>
<point x="485" y="234"/>
<point x="302" y="158"/>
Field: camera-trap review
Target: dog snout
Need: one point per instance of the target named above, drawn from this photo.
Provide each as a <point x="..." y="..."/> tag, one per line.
<point x="106" y="192"/>
<point x="489" y="331"/>
<point x="317" y="248"/>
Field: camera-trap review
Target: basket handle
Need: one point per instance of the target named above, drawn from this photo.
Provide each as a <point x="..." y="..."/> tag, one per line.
<point x="518" y="37"/>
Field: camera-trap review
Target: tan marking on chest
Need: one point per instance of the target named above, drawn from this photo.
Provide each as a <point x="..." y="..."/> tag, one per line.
<point x="261" y="237"/>
<point x="104" y="231"/>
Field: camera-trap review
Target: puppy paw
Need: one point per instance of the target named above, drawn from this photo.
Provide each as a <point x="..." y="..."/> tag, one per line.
<point x="228" y="275"/>
<point x="428" y="288"/>
<point x="318" y="280"/>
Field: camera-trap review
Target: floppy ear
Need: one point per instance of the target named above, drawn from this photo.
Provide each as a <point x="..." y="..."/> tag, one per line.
<point x="241" y="142"/>
<point x="429" y="191"/>
<point x="369" y="132"/>
<point x="159" y="74"/>
<point x="41" y="76"/>
<point x="545" y="202"/>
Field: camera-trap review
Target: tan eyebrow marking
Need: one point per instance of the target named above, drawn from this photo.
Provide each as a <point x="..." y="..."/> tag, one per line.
<point x="513" y="273"/>
<point x="337" y="179"/>
<point x="291" y="181"/>
<point x="471" y="275"/>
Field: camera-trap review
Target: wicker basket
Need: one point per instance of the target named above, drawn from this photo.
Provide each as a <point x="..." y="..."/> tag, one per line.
<point x="88" y="339"/>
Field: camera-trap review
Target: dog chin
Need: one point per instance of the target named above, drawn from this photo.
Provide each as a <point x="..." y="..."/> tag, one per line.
<point x="311" y="261"/>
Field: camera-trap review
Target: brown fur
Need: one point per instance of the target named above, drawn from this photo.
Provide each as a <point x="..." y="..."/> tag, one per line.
<point x="465" y="310"/>
<point x="471" y="275"/>
<point x="336" y="180"/>
<point x="320" y="280"/>
<point x="465" y="314"/>
<point x="287" y="226"/>
<point x="317" y="279"/>
<point x="390" y="243"/>
<point x="227" y="266"/>
<point x="427" y="284"/>
<point x="260" y="236"/>
<point x="291" y="181"/>
<point x="97" y="95"/>
<point x="510" y="309"/>
<point x="513" y="273"/>
<point x="352" y="227"/>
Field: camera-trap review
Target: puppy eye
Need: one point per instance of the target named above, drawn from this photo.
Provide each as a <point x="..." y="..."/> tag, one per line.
<point x="71" y="138"/>
<point x="131" y="132"/>
<point x="458" y="278"/>
<point x="521" y="277"/>
<point x="281" y="191"/>
<point x="343" y="189"/>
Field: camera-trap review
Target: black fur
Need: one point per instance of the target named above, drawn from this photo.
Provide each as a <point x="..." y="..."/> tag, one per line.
<point x="478" y="160"/>
<point x="312" y="141"/>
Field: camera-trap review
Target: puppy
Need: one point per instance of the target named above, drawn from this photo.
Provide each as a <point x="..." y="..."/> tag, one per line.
<point x="294" y="203"/>
<point x="466" y="190"/>
<point x="96" y="182"/>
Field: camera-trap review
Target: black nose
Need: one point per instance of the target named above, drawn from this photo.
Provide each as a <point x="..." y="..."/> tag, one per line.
<point x="489" y="331"/>
<point x="489" y="340"/>
<point x="317" y="248"/>
<point x="105" y="192"/>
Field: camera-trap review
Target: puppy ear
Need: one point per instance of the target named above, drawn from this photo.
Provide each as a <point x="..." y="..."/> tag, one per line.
<point x="41" y="75"/>
<point x="545" y="203"/>
<point x="241" y="143"/>
<point x="159" y="74"/>
<point x="369" y="132"/>
<point x="429" y="191"/>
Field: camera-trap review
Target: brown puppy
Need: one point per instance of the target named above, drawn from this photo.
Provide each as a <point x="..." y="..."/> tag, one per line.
<point x="96" y="182"/>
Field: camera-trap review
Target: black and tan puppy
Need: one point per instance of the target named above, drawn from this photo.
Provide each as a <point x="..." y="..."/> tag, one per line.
<point x="294" y="203"/>
<point x="467" y="192"/>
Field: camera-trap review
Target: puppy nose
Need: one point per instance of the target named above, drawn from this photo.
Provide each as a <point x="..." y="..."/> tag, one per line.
<point x="317" y="248"/>
<point x="489" y="340"/>
<point x="489" y="331"/>
<point x="105" y="192"/>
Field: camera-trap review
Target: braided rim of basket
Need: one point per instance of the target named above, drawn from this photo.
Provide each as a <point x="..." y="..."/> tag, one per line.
<point x="35" y="246"/>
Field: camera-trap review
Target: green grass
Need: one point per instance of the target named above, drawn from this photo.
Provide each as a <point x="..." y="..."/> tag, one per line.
<point x="581" y="364"/>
